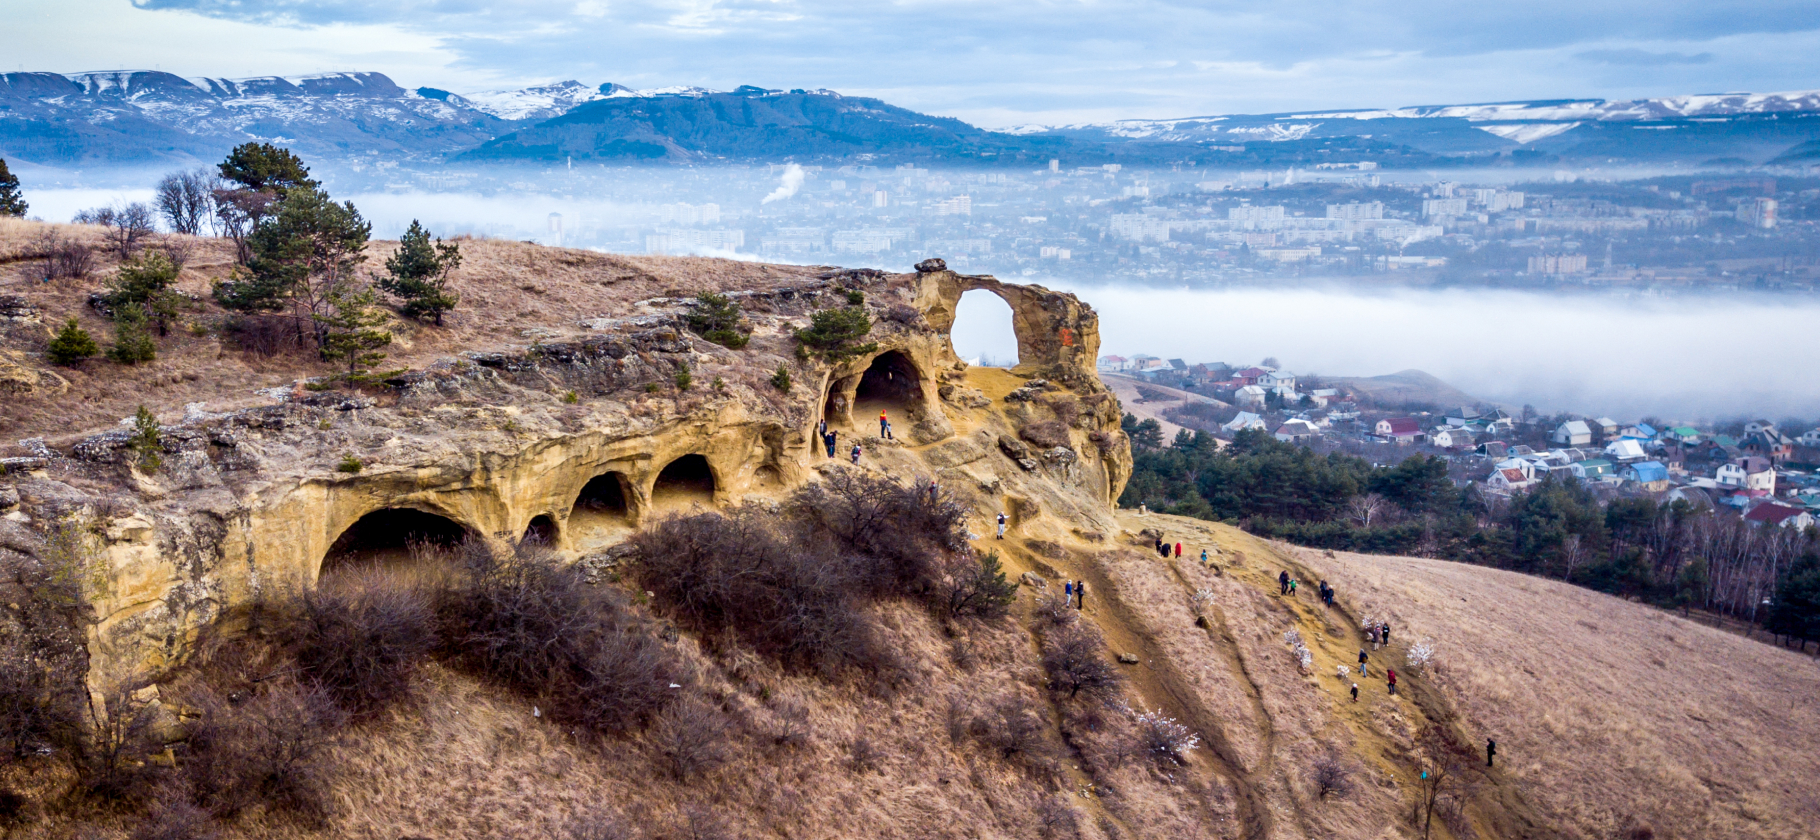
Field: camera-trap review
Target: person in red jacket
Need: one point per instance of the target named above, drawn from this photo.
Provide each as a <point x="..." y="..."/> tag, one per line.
<point x="1390" y="676"/>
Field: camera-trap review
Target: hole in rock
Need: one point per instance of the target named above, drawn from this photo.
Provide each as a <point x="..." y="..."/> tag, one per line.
<point x="892" y="386"/>
<point x="393" y="537"/>
<point x="603" y="508"/>
<point x="686" y="481"/>
<point x="983" y="333"/>
<point x="541" y="531"/>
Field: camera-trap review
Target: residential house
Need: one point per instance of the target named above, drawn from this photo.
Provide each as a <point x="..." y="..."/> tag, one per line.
<point x="1625" y="449"/>
<point x="1767" y="443"/>
<point x="1592" y="469"/>
<point x="1274" y="379"/>
<point x="1811" y="437"/>
<point x="1641" y="431"/>
<point x="1606" y="427"/>
<point x="1249" y="376"/>
<point x="1250" y="395"/>
<point x="1178" y="365"/>
<point x="1113" y="362"/>
<point x="1492" y="449"/>
<point x="1297" y="431"/>
<point x="1461" y="416"/>
<point x="1756" y="426"/>
<point x="1747" y="473"/>
<point x="1400" y="429"/>
<point x="1245" y="420"/>
<point x="1684" y="435"/>
<point x="1695" y="497"/>
<point x="1776" y="513"/>
<point x="1507" y="481"/>
<point x="1448" y="437"/>
<point x="1497" y="423"/>
<point x="1650" y="475"/>
<point x="1573" y="433"/>
<point x="1521" y="449"/>
<point x="1323" y="396"/>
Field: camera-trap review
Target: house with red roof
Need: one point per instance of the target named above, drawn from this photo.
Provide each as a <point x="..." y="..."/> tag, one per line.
<point x="1399" y="429"/>
<point x="1776" y="513"/>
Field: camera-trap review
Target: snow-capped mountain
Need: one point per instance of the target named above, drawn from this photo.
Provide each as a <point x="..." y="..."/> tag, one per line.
<point x="535" y="103"/>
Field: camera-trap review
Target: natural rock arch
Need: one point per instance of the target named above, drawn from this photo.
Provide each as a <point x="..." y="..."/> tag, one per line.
<point x="686" y="481"/>
<point x="986" y="313"/>
<point x="385" y="537"/>
<point x="1058" y="335"/>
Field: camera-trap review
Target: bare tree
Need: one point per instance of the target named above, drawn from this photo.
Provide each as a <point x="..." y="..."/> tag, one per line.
<point x="186" y="200"/>
<point x="1365" y="508"/>
<point x="1331" y="777"/>
<point x="126" y="225"/>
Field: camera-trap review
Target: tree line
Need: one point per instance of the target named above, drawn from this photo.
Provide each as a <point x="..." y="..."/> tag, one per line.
<point x="1668" y="554"/>
<point x="298" y="260"/>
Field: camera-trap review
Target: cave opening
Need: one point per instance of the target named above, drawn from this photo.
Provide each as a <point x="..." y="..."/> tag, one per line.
<point x="685" y="481"/>
<point x="541" y="531"/>
<point x="392" y="538"/>
<point x="890" y="387"/>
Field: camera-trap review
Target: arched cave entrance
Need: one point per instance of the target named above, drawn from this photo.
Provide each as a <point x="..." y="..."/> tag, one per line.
<point x="984" y="333"/>
<point x="890" y="385"/>
<point x="602" y="508"/>
<point x="391" y="537"/>
<point x="541" y="531"/>
<point x="685" y="481"/>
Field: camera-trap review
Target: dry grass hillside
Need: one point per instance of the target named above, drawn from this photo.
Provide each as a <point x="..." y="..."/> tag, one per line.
<point x="512" y="295"/>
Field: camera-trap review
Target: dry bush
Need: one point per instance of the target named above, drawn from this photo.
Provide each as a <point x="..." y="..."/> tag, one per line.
<point x="700" y="821"/>
<point x="601" y="824"/>
<point x="362" y="639"/>
<point x="63" y="256"/>
<point x="1055" y="611"/>
<point x="864" y="756"/>
<point x="263" y="335"/>
<point x="1163" y="739"/>
<point x="540" y="629"/>
<point x="976" y="588"/>
<point x="1330" y="777"/>
<point x="267" y="749"/>
<point x="1056" y="818"/>
<point x="1067" y="409"/>
<point x="43" y="655"/>
<point x="691" y="738"/>
<point x="788" y="595"/>
<point x="901" y="530"/>
<point x="113" y="762"/>
<point x="901" y="314"/>
<point x="1076" y="668"/>
<point x="175" y="818"/>
<point x="1014" y="728"/>
<point x="1047" y="434"/>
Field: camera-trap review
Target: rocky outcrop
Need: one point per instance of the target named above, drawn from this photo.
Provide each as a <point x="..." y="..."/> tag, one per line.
<point x="579" y="442"/>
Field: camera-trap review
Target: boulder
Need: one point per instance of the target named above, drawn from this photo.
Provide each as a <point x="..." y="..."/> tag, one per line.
<point x="931" y="265"/>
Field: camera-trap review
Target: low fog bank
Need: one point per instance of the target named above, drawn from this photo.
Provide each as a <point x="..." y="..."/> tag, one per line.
<point x="1691" y="357"/>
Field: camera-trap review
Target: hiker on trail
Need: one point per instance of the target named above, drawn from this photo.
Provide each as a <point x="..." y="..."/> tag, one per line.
<point x="856" y="452"/>
<point x="1159" y="545"/>
<point x="1178" y="551"/>
<point x="828" y="440"/>
<point x="1491" y="751"/>
<point x="1067" y="591"/>
<point x="1371" y="635"/>
<point x="1001" y="525"/>
<point x="884" y="426"/>
<point x="1283" y="583"/>
<point x="1203" y="556"/>
<point x="1080" y="593"/>
<point x="1362" y="659"/>
<point x="1385" y="635"/>
<point x="935" y="492"/>
<point x="1391" y="678"/>
<point x="1355" y="692"/>
<point x="1292" y="585"/>
<point x="822" y="428"/>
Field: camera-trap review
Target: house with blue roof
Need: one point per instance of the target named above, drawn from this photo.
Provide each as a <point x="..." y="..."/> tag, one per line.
<point x="1650" y="475"/>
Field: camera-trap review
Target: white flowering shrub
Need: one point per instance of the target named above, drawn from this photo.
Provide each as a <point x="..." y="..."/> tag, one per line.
<point x="1344" y="671"/>
<point x="1292" y="637"/>
<point x="1421" y="653"/>
<point x="1199" y="600"/>
<point x="1304" y="656"/>
<point x="1165" y="739"/>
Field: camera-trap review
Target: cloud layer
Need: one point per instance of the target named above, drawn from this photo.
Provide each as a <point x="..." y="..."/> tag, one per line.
<point x="992" y="63"/>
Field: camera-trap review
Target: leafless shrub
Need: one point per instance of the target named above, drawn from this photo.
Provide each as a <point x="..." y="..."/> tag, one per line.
<point x="361" y="638"/>
<point x="174" y="818"/>
<point x="1013" y="728"/>
<point x="126" y="225"/>
<point x="959" y="717"/>
<point x="792" y="724"/>
<point x="263" y="335"/>
<point x="268" y="748"/>
<point x="112" y="763"/>
<point x="601" y="824"/>
<point x="1103" y="440"/>
<point x="1055" y="611"/>
<point x="186" y="200"/>
<point x="975" y="587"/>
<point x="1047" y="434"/>
<point x="541" y="629"/>
<point x="1330" y="777"/>
<point x="1056" y="819"/>
<point x="1067" y="409"/>
<point x="789" y="595"/>
<point x="699" y="821"/>
<point x="43" y="654"/>
<point x="902" y="531"/>
<point x="1076" y="667"/>
<point x="863" y="756"/>
<point x="63" y="256"/>
<point x="690" y="738"/>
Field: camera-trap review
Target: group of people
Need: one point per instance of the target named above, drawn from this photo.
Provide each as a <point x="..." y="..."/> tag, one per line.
<point x="1075" y="592"/>
<point x="1378" y="635"/>
<point x="1168" y="550"/>
<point x="1287" y="585"/>
<point x="831" y="439"/>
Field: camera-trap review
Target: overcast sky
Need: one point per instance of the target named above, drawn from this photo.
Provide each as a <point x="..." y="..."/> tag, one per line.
<point x="994" y="64"/>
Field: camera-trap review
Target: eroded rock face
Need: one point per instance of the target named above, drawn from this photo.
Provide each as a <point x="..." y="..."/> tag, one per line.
<point x="579" y="443"/>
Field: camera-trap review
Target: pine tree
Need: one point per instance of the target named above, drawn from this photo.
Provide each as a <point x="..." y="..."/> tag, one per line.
<point x="72" y="344"/>
<point x="263" y="167"/>
<point x="419" y="274"/>
<point x="12" y="201"/>
<point x="716" y="318"/>
<point x="307" y="248"/>
<point x="348" y="333"/>
<point x="146" y="282"/>
<point x="147" y="439"/>
<point x="132" y="341"/>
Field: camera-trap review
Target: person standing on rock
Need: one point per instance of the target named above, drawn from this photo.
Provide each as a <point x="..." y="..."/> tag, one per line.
<point x="1283" y="583"/>
<point x="856" y="452"/>
<point x="884" y="426"/>
<point x="1001" y="525"/>
<point x="935" y="492"/>
<point x="1080" y="593"/>
<point x="1362" y="659"/>
<point x="1068" y="592"/>
<point x="828" y="440"/>
<point x="1491" y="751"/>
<point x="1384" y="634"/>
